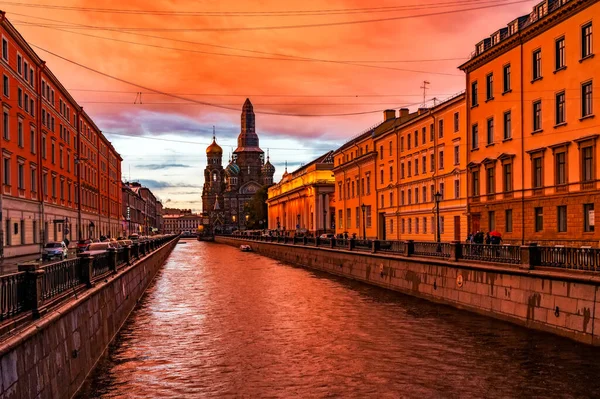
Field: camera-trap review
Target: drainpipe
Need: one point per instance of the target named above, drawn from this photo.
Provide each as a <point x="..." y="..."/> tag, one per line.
<point x="468" y="152"/>
<point x="398" y="184"/>
<point x="434" y="175"/>
<point x="40" y="159"/>
<point x="522" y="149"/>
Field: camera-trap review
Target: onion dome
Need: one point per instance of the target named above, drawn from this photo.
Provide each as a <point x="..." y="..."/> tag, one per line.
<point x="214" y="148"/>
<point x="232" y="169"/>
<point x="268" y="169"/>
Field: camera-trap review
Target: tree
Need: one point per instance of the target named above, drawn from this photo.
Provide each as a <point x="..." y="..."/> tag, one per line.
<point x="257" y="210"/>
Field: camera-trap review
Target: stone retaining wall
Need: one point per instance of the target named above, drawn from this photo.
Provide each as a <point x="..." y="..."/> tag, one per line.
<point x="560" y="302"/>
<point x="52" y="357"/>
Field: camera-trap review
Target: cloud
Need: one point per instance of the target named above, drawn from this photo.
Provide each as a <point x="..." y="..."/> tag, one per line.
<point x="160" y="184"/>
<point x="158" y="166"/>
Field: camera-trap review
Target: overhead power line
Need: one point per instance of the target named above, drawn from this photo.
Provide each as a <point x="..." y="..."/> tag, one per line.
<point x="197" y="101"/>
<point x="265" y="95"/>
<point x="494" y="4"/>
<point x="245" y="56"/>
<point x="279" y="13"/>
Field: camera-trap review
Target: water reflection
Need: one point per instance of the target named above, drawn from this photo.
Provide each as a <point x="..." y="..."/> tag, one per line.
<point x="221" y="323"/>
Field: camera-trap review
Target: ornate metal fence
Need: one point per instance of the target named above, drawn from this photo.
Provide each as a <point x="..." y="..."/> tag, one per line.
<point x="570" y="258"/>
<point x="12" y="294"/>
<point x="392" y="246"/>
<point x="441" y="250"/>
<point x="59" y="277"/>
<point x="492" y="253"/>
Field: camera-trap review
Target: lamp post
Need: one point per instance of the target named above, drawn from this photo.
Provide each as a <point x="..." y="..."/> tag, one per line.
<point x="324" y="221"/>
<point x="438" y="198"/>
<point x="247" y="218"/>
<point x="233" y="218"/>
<point x="363" y="207"/>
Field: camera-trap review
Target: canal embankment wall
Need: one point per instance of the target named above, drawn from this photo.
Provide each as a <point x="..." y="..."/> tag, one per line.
<point x="51" y="357"/>
<point x="560" y="302"/>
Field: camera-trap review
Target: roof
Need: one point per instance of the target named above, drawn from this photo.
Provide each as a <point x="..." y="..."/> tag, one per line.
<point x="326" y="158"/>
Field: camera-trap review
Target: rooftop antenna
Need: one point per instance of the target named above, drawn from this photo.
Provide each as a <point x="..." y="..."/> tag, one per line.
<point x="424" y="87"/>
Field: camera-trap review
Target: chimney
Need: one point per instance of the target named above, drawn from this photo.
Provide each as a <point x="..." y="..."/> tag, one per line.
<point x="423" y="110"/>
<point x="389" y="114"/>
<point x="404" y="112"/>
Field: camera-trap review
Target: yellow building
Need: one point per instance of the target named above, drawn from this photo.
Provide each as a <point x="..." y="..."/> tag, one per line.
<point x="421" y="155"/>
<point x="532" y="133"/>
<point x="303" y="200"/>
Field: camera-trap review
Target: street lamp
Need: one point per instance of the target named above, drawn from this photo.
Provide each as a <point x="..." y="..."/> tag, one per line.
<point x="438" y="198"/>
<point x="363" y="207"/>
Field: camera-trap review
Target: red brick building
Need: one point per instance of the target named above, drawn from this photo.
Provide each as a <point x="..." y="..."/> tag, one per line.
<point x="53" y="155"/>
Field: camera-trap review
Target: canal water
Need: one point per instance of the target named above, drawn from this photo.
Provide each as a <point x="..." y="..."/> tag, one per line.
<point x="218" y="322"/>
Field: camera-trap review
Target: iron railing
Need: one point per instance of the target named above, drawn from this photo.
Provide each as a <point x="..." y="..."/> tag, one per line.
<point x="60" y="277"/>
<point x="570" y="258"/>
<point x="492" y="253"/>
<point x="363" y="245"/>
<point x="12" y="294"/>
<point x="434" y="249"/>
<point x="392" y="246"/>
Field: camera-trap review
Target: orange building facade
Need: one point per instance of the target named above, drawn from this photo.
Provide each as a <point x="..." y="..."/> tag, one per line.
<point x="532" y="133"/>
<point x="421" y="155"/>
<point x="50" y="158"/>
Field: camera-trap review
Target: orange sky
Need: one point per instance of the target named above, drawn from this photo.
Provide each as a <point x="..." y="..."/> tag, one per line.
<point x="449" y="36"/>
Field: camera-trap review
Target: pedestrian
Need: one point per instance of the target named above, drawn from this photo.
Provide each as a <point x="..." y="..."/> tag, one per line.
<point x="488" y="239"/>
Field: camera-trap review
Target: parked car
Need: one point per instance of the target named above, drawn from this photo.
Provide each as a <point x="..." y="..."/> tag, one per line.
<point x="134" y="237"/>
<point x="82" y="245"/>
<point x="101" y="246"/>
<point x="125" y="242"/>
<point x="54" y="250"/>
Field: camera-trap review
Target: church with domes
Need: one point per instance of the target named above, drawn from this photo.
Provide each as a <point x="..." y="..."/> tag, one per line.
<point x="227" y="190"/>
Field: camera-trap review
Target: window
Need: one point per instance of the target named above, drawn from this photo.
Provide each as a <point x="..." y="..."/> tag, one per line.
<point x="432" y="162"/>
<point x="586" y="40"/>
<point x="506" y="73"/>
<point x="409" y="225"/>
<point x="416" y="140"/>
<point x="380" y="176"/>
<point x="368" y="212"/>
<point x="560" y="168"/>
<point x="6" y="171"/>
<point x="424" y="164"/>
<point x="537" y="64"/>
<point x="416" y="225"/>
<point x="491" y="220"/>
<point x="368" y="184"/>
<point x="441" y="128"/>
<point x="559" y="46"/>
<point x="391" y="198"/>
<point x="390" y="144"/>
<point x="441" y="160"/>
<point x="417" y="167"/>
<point x="357" y="216"/>
<point x="475" y="136"/>
<point x="456" y="155"/>
<point x="380" y="152"/>
<point x="401" y="143"/>
<point x="409" y="196"/>
<point x="507" y="125"/>
<point x="537" y="115"/>
<point x="391" y="173"/>
<point x="391" y="225"/>
<point x="409" y="167"/>
<point x="402" y="171"/>
<point x="442" y="191"/>
<point x="5" y="125"/>
<point x="32" y="141"/>
<point x="26" y="101"/>
<point x="587" y="164"/>
<point x="538" y="174"/>
<point x="456" y="122"/>
<point x="21" y="176"/>
<point x="348" y="218"/>
<point x="353" y="190"/>
<point x="403" y="226"/>
<point x="43" y="147"/>
<point x="431" y="132"/>
<point x="490" y="180"/>
<point x="5" y="88"/>
<point x="382" y="201"/>
<point x="539" y="219"/>
<point x="456" y="189"/>
<point x="442" y="224"/>
<point x="20" y="99"/>
<point x="19" y="64"/>
<point x="489" y="86"/>
<point x="561" y="218"/>
<point x="26" y="68"/>
<point x="5" y="49"/>
<point x="490" y="131"/>
<point x="475" y="181"/>
<point x="424" y="194"/>
<point x="507" y="177"/>
<point x="588" y="217"/>
<point x="33" y="179"/>
<point x="432" y="192"/>
<point x="508" y="220"/>
<point x="560" y="108"/>
<point x="416" y="195"/>
<point x="20" y="138"/>
<point x="408" y="142"/>
<point x="402" y="197"/>
<point x="586" y="99"/>
<point x="474" y="99"/>
<point x="45" y="184"/>
<point x="340" y="213"/>
<point x="52" y="155"/>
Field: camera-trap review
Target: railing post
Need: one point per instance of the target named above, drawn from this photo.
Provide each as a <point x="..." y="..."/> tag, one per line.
<point x="136" y="250"/>
<point x="528" y="256"/>
<point x="112" y="259"/>
<point x="33" y="286"/>
<point x="375" y="245"/>
<point x="409" y="248"/>
<point x="351" y="244"/>
<point x="127" y="249"/>
<point x="317" y="241"/>
<point x="87" y="272"/>
<point x="304" y="240"/>
<point x="332" y="242"/>
<point x="455" y="250"/>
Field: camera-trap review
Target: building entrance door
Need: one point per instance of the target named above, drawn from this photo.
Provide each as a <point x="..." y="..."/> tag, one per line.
<point x="457" y="228"/>
<point x="382" y="226"/>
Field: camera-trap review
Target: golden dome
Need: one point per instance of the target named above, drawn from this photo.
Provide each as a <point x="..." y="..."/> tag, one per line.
<point x="214" y="148"/>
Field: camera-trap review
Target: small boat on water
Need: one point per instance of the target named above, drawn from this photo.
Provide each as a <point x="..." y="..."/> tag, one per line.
<point x="245" y="248"/>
